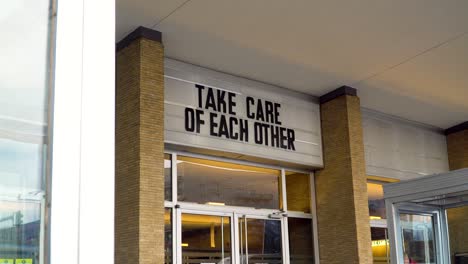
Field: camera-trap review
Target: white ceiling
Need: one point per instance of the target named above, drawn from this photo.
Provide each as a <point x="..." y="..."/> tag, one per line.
<point x="406" y="58"/>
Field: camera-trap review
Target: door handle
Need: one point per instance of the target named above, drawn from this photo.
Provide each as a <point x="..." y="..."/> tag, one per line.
<point x="277" y="215"/>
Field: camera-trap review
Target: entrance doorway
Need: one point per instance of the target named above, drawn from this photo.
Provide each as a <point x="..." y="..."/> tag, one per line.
<point x="428" y="219"/>
<point x="260" y="240"/>
<point x="230" y="237"/>
<point x="420" y="233"/>
<point x="205" y="237"/>
<point x="221" y="211"/>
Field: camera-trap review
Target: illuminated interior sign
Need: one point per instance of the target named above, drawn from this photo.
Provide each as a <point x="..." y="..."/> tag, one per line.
<point x="378" y="243"/>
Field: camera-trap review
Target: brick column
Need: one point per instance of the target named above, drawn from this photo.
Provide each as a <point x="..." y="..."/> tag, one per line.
<point x="341" y="188"/>
<point x="139" y="190"/>
<point x="457" y="148"/>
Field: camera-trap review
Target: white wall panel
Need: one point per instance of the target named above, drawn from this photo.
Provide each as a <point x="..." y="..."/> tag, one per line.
<point x="82" y="206"/>
<point x="401" y="149"/>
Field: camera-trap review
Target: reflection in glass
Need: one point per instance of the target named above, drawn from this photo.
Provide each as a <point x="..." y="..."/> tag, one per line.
<point x="301" y="249"/>
<point x="206" y="239"/>
<point x="167" y="177"/>
<point x="418" y="238"/>
<point x="167" y="236"/>
<point x="23" y="128"/>
<point x="376" y="201"/>
<point x="260" y="241"/>
<point x="206" y="181"/>
<point x="380" y="246"/>
<point x="298" y="191"/>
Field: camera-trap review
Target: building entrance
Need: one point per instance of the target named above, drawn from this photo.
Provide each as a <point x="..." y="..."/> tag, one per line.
<point x="260" y="240"/>
<point x="205" y="237"/>
<point x="230" y="237"/>
<point x="428" y="219"/>
<point x="236" y="213"/>
<point x="419" y="230"/>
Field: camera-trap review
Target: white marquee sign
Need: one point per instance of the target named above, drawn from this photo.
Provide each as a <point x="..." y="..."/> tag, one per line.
<point x="215" y="111"/>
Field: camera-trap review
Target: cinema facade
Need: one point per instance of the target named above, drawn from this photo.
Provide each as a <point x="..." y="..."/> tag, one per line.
<point x="214" y="168"/>
<point x="208" y="167"/>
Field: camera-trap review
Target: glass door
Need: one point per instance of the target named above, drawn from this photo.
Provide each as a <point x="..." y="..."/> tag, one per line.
<point x="205" y="237"/>
<point x="260" y="240"/>
<point x="420" y="235"/>
<point x="208" y="237"/>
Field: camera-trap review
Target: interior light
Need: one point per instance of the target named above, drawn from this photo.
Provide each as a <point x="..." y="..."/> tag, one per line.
<point x="378" y="243"/>
<point x="216" y="203"/>
<point x="212" y="236"/>
<point x="224" y="168"/>
<point x="184" y="244"/>
<point x="375" y="217"/>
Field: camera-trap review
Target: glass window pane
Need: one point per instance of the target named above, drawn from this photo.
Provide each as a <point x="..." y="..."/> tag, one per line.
<point x="24" y="71"/>
<point x="206" y="239"/>
<point x="260" y="241"/>
<point x="418" y="238"/>
<point x="298" y="192"/>
<point x="380" y="247"/>
<point x="168" y="236"/>
<point x="301" y="249"/>
<point x="167" y="177"/>
<point x="206" y="181"/>
<point x="376" y="201"/>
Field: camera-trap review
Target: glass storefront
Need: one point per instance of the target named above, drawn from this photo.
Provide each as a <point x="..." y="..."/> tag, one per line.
<point x="24" y="91"/>
<point x="168" y="236"/>
<point x="376" y="200"/>
<point x="205" y="238"/>
<point x="229" y="212"/>
<point x="167" y="177"/>
<point x="378" y="218"/>
<point x="301" y="243"/>
<point x="212" y="182"/>
<point x="260" y="241"/>
<point x="380" y="246"/>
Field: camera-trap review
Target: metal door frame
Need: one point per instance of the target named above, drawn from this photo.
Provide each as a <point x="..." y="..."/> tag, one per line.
<point x="178" y="228"/>
<point x="439" y="225"/>
<point x="284" y="233"/>
<point x="235" y="213"/>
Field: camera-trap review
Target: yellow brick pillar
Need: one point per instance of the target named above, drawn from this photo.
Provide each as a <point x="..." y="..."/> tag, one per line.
<point x="341" y="189"/>
<point x="457" y="147"/>
<point x="139" y="190"/>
